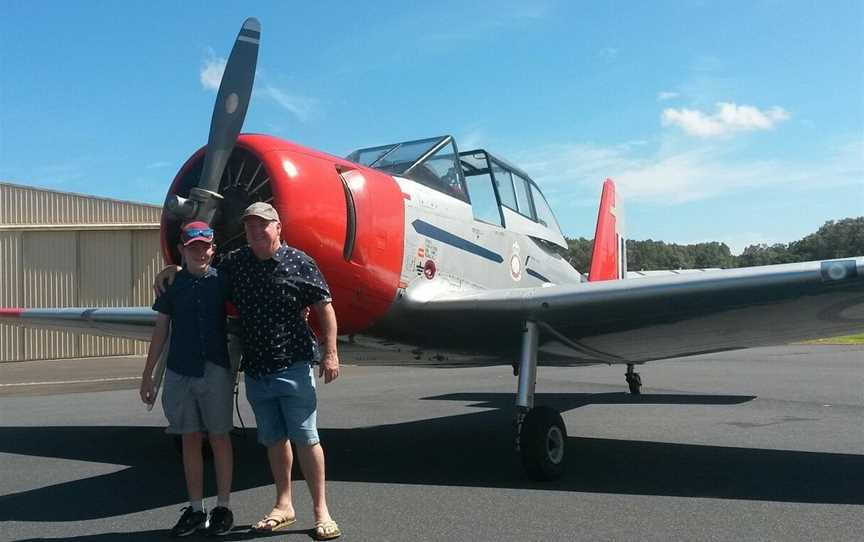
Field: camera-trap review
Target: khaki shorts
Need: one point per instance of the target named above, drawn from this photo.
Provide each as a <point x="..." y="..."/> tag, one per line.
<point x="199" y="404"/>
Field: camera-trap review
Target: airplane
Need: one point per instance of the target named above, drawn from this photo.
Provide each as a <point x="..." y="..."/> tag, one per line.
<point x="427" y="245"/>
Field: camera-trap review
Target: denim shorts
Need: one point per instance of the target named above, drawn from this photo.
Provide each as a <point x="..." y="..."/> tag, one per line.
<point x="285" y="405"/>
<point x="199" y="404"/>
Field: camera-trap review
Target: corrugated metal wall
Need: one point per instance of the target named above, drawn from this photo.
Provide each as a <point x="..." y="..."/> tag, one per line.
<point x="65" y="250"/>
<point x="28" y="205"/>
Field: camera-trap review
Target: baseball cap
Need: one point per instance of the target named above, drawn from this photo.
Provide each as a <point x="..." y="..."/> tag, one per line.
<point x="261" y="209"/>
<point x="196" y="231"/>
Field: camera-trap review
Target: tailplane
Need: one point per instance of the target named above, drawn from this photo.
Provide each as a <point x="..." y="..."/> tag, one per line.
<point x="609" y="258"/>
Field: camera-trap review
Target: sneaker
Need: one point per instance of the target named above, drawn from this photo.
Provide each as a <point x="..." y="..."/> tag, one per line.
<point x="221" y="521"/>
<point x="189" y="522"/>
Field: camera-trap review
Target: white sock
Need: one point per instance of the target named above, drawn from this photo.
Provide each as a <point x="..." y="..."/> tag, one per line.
<point x="225" y="503"/>
<point x="197" y="506"/>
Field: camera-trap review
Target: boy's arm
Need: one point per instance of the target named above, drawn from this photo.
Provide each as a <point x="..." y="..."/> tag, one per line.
<point x="157" y="343"/>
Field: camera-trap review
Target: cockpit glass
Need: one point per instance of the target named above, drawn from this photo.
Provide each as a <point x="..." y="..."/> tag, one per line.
<point x="544" y="212"/>
<point x="369" y="156"/>
<point x="395" y="158"/>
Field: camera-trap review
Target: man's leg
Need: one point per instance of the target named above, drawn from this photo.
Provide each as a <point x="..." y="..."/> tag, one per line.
<point x="223" y="462"/>
<point x="312" y="464"/>
<point x="193" y="466"/>
<point x="281" y="459"/>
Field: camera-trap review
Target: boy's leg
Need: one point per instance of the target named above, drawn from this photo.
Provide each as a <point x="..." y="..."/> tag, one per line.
<point x="223" y="462"/>
<point x="193" y="466"/>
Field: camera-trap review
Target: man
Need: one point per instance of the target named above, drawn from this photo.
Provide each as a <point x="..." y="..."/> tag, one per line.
<point x="198" y="381"/>
<point x="272" y="285"/>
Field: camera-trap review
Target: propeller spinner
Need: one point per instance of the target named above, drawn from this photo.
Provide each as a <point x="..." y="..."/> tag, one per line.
<point x="229" y="111"/>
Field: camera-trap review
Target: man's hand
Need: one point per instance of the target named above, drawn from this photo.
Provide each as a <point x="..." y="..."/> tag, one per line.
<point x="146" y="390"/>
<point x="164" y="279"/>
<point x="329" y="367"/>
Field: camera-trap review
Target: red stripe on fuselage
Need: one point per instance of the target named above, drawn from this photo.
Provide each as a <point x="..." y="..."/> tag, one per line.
<point x="10" y="313"/>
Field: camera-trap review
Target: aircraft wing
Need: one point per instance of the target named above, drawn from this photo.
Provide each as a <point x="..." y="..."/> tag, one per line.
<point x="633" y="321"/>
<point x="620" y="321"/>
<point x="128" y="322"/>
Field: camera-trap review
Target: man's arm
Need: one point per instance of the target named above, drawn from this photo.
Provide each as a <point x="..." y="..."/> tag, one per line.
<point x="157" y="343"/>
<point x="327" y="323"/>
<point x="164" y="279"/>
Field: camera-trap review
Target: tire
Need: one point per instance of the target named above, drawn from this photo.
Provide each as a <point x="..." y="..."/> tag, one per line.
<point x="634" y="382"/>
<point x="543" y="443"/>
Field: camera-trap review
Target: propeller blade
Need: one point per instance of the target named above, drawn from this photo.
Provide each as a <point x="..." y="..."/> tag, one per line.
<point x="231" y="103"/>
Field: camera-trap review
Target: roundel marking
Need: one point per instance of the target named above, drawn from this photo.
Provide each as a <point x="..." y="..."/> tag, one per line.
<point x="836" y="271"/>
<point x="515" y="264"/>
<point x="429" y="269"/>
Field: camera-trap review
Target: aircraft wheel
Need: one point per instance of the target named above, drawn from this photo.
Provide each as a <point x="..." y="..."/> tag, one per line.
<point x="543" y="440"/>
<point x="634" y="382"/>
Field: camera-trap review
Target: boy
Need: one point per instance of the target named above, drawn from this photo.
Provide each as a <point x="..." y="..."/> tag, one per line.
<point x="198" y="383"/>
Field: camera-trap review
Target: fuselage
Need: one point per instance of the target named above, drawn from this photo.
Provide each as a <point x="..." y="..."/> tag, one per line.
<point x="375" y="235"/>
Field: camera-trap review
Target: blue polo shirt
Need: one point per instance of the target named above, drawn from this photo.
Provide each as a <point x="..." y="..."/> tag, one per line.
<point x="196" y="306"/>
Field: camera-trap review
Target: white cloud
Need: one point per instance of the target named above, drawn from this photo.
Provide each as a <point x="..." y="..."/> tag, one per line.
<point x="299" y="106"/>
<point x="666" y="95"/>
<point x="572" y="172"/>
<point x="211" y="72"/>
<point x="728" y="118"/>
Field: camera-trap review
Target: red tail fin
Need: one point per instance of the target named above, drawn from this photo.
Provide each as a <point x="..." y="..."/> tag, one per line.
<point x="609" y="259"/>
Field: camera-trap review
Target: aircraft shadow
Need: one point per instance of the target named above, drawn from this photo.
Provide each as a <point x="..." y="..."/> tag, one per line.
<point x="471" y="449"/>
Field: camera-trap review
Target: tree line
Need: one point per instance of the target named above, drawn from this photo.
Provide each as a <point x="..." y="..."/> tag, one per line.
<point x="835" y="239"/>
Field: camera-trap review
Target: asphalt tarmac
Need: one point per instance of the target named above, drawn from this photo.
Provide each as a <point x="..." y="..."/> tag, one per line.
<point x="761" y="445"/>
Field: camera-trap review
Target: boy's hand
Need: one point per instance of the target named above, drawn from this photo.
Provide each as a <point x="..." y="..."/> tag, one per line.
<point x="146" y="390"/>
<point x="164" y="279"/>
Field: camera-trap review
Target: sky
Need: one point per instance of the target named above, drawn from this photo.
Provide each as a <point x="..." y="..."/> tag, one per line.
<point x="733" y="121"/>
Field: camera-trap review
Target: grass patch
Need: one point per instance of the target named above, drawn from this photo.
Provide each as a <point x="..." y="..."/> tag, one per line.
<point x="848" y="339"/>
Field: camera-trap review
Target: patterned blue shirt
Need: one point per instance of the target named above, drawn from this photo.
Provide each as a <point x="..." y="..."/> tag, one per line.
<point x="196" y="306"/>
<point x="269" y="295"/>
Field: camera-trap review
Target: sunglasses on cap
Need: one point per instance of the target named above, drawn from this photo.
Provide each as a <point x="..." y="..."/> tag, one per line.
<point x="198" y="232"/>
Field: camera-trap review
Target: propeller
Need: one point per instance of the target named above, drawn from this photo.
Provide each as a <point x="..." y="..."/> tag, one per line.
<point x="229" y="111"/>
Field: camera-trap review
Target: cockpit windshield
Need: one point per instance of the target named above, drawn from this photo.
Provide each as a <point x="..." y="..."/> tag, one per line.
<point x="397" y="157"/>
<point x="432" y="162"/>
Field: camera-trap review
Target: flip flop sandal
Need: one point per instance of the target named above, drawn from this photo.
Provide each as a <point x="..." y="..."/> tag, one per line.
<point x="326" y="530"/>
<point x="274" y="522"/>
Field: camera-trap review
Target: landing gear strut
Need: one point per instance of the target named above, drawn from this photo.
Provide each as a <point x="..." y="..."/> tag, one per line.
<point x="634" y="381"/>
<point x="541" y="436"/>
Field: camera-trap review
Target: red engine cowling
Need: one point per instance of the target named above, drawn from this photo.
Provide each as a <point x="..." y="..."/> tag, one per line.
<point x="349" y="218"/>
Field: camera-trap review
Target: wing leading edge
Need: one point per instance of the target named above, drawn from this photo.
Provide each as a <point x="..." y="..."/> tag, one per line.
<point x="128" y="322"/>
<point x="652" y="318"/>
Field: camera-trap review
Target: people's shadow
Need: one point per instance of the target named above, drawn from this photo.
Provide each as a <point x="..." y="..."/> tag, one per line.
<point x="473" y="449"/>
<point x="236" y="534"/>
